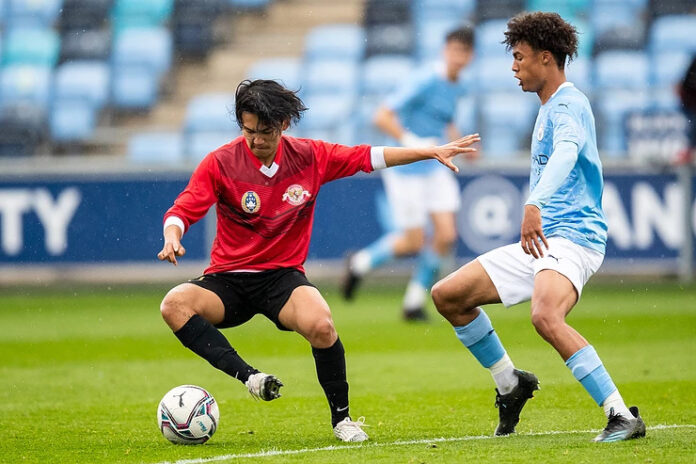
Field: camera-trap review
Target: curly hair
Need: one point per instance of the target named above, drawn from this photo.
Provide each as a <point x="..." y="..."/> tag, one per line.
<point x="272" y="103"/>
<point x="544" y="31"/>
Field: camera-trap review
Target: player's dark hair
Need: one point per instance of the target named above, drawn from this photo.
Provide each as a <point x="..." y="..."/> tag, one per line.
<point x="464" y="35"/>
<point x="272" y="103"/>
<point x="544" y="31"/>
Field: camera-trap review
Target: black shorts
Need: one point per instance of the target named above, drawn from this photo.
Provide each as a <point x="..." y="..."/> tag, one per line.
<point x="245" y="294"/>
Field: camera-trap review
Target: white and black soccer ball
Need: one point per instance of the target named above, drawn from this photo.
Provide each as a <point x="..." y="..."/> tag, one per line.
<point x="188" y="415"/>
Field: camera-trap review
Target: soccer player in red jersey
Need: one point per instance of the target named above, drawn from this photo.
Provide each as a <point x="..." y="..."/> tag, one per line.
<point x="264" y="185"/>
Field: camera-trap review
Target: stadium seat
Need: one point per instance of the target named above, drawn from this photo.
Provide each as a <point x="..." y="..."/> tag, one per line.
<point x="579" y="72"/>
<point x="337" y="77"/>
<point x="568" y="9"/>
<point x="84" y="15"/>
<point x="72" y="120"/>
<point x="192" y="25"/>
<point x="139" y="60"/>
<point x="31" y="46"/>
<point x="497" y="9"/>
<point x="335" y="41"/>
<point x="494" y="74"/>
<point x="381" y="74"/>
<point x="380" y="12"/>
<point x="611" y="109"/>
<point x="211" y="112"/>
<point x="85" y="44"/>
<point x="156" y="147"/>
<point x="32" y="13"/>
<point x="209" y="123"/>
<point x="23" y="129"/>
<point x="664" y="99"/>
<point x="284" y="70"/>
<point x="506" y="121"/>
<point x="389" y="38"/>
<point x="326" y="112"/>
<point x="25" y="85"/>
<point x="199" y="144"/>
<point x="140" y="13"/>
<point x="254" y="5"/>
<point x="621" y="70"/>
<point x="669" y="68"/>
<point x="489" y="35"/>
<point x="88" y="80"/>
<point x="671" y="7"/>
<point x="461" y="9"/>
<point x="430" y="36"/>
<point x="673" y="33"/>
<point x="607" y="15"/>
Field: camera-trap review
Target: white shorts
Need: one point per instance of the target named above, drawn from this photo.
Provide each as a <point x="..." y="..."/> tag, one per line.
<point x="512" y="271"/>
<point x="412" y="197"/>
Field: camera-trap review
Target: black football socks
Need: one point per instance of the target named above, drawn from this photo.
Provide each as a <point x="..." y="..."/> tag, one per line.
<point x="331" y="372"/>
<point x="201" y="337"/>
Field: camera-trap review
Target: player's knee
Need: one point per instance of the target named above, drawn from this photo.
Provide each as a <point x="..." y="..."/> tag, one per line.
<point x="322" y="333"/>
<point x="444" y="300"/>
<point x="545" y="322"/>
<point x="172" y="306"/>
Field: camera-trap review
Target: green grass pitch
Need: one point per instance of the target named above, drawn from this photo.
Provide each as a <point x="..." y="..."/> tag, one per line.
<point x="82" y="371"/>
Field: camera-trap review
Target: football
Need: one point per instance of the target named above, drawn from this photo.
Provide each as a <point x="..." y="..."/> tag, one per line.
<point x="188" y="415"/>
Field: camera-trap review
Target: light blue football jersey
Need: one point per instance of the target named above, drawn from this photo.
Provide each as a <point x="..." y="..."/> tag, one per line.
<point x="425" y="106"/>
<point x="574" y="211"/>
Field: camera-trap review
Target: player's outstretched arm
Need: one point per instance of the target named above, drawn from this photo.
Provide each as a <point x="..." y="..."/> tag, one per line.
<point x="172" y="245"/>
<point x="395" y="156"/>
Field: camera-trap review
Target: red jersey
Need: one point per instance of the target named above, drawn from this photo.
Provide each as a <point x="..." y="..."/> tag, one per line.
<point x="264" y="214"/>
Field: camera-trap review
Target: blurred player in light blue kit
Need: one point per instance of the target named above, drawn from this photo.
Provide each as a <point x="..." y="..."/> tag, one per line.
<point x="419" y="114"/>
<point x="563" y="237"/>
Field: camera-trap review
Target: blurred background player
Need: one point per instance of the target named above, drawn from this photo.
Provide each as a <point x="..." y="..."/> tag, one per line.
<point x="563" y="237"/>
<point x="264" y="185"/>
<point x="419" y="114"/>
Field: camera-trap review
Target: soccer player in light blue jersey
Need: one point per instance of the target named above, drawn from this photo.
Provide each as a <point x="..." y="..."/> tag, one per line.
<point x="421" y="113"/>
<point x="563" y="237"/>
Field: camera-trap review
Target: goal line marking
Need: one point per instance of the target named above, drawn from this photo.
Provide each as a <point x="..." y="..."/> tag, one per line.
<point x="277" y="452"/>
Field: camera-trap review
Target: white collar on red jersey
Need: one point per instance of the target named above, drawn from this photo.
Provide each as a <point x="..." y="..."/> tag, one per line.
<point x="269" y="171"/>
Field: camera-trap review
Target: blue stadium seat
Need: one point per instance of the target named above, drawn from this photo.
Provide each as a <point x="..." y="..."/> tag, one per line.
<point x="381" y="74"/>
<point x="494" y="74"/>
<point x="611" y="108"/>
<point x="87" y="80"/>
<point x="489" y="35"/>
<point x="209" y="123"/>
<point x="199" y="144"/>
<point x="139" y="60"/>
<point x="430" y="35"/>
<point x="443" y="8"/>
<point x="29" y="85"/>
<point x="81" y="90"/>
<point x="326" y="112"/>
<point x="669" y="68"/>
<point x="85" y="44"/>
<point x="506" y="121"/>
<point x="673" y="33"/>
<point x="568" y="9"/>
<point x="193" y="25"/>
<point x="249" y="4"/>
<point x="156" y="148"/>
<point x="337" y="77"/>
<point x="579" y="72"/>
<point x="336" y="42"/>
<point x="210" y="112"/>
<point x="140" y="13"/>
<point x="621" y="70"/>
<point x="72" y="120"/>
<point x="284" y="70"/>
<point x="31" y="46"/>
<point x="608" y="15"/>
<point x="664" y="99"/>
<point x="23" y="129"/>
<point x="84" y="15"/>
<point x="32" y="13"/>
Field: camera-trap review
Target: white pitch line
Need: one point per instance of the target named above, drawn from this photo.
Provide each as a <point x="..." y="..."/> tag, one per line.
<point x="276" y="452"/>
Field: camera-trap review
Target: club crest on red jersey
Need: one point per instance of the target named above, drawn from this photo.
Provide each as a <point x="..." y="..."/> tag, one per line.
<point x="296" y="195"/>
<point x="251" y="202"/>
